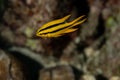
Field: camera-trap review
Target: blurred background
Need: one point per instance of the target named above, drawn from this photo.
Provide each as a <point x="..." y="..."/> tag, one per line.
<point x="90" y="53"/>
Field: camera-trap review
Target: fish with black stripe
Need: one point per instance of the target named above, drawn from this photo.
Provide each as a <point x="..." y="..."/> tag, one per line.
<point x="59" y="27"/>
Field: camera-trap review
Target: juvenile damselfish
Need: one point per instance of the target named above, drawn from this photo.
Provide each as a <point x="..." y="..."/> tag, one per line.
<point x="59" y="27"/>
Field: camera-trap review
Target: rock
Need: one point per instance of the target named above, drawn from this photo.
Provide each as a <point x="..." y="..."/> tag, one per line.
<point x="115" y="78"/>
<point x="10" y="69"/>
<point x="57" y="73"/>
<point x="88" y="77"/>
<point x="4" y="66"/>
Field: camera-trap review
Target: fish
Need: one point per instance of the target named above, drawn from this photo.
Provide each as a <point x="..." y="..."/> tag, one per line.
<point x="59" y="27"/>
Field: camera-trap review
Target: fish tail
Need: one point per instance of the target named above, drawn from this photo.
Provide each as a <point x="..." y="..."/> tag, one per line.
<point x="72" y="22"/>
<point x="77" y="23"/>
<point x="71" y="29"/>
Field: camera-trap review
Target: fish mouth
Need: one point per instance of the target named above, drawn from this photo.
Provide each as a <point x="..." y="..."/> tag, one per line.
<point x="37" y="34"/>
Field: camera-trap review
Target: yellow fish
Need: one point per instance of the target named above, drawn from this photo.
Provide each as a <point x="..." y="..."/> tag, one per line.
<point x="59" y="27"/>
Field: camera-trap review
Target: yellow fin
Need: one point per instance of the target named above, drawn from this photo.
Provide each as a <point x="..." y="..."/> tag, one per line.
<point x="72" y="22"/>
<point x="57" y="35"/>
<point x="79" y="22"/>
<point x="70" y="30"/>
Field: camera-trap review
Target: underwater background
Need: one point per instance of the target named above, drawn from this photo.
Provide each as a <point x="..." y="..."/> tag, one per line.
<point x="90" y="53"/>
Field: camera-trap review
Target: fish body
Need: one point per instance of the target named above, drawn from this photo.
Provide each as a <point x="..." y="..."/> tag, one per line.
<point x="59" y="27"/>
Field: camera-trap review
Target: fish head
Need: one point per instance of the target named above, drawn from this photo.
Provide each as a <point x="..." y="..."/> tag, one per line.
<point x="38" y="33"/>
